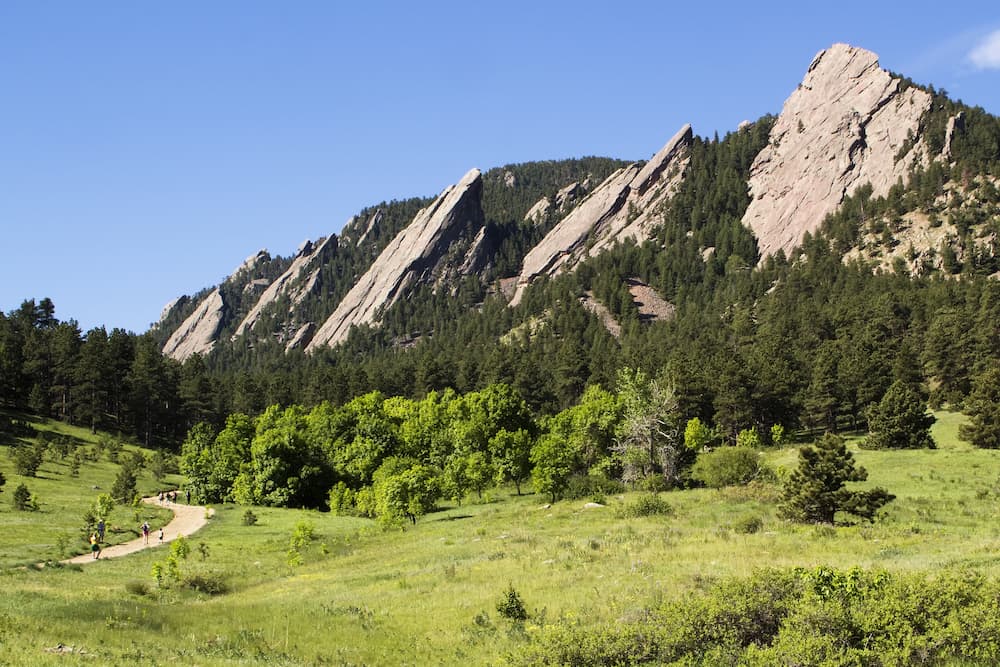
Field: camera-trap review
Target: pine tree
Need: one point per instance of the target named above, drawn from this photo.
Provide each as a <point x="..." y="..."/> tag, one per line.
<point x="983" y="408"/>
<point x="815" y="491"/>
<point x="900" y="420"/>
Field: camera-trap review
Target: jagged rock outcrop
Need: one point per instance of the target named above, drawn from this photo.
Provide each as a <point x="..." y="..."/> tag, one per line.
<point x="198" y="333"/>
<point x="412" y="256"/>
<point x="844" y="126"/>
<point x="563" y="200"/>
<point x="308" y="260"/>
<point x="623" y="206"/>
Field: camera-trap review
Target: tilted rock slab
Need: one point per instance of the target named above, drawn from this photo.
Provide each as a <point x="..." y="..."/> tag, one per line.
<point x="309" y="258"/>
<point x="197" y="334"/>
<point x="623" y="206"/>
<point x="841" y="128"/>
<point x="410" y="257"/>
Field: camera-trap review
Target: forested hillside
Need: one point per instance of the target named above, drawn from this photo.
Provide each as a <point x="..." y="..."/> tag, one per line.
<point x="891" y="289"/>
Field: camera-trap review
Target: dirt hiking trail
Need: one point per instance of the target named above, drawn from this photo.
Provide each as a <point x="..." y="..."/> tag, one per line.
<point x="187" y="520"/>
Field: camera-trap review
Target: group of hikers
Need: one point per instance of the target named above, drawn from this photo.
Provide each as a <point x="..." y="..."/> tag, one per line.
<point x="97" y="537"/>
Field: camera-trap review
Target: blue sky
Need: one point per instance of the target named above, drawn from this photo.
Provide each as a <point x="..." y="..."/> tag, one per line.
<point x="147" y="149"/>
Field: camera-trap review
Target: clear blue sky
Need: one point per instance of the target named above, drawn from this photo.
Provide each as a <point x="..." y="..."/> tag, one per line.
<point x="148" y="148"/>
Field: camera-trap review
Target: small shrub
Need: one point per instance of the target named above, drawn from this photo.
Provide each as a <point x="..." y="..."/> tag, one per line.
<point x="647" y="504"/>
<point x="209" y="584"/>
<point x="511" y="606"/>
<point x="591" y="486"/>
<point x="748" y="524"/>
<point x="139" y="588"/>
<point x="249" y="518"/>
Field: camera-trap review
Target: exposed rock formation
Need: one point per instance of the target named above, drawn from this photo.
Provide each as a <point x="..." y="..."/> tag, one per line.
<point x="956" y="122"/>
<point x="309" y="258"/>
<point x="199" y="331"/>
<point x="563" y="200"/>
<point x="412" y="256"/>
<point x="169" y="307"/>
<point x="623" y="206"/>
<point x="841" y="128"/>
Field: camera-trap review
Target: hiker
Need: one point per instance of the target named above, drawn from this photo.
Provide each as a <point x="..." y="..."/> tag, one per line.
<point x="145" y="532"/>
<point x="95" y="548"/>
<point x="100" y="530"/>
<point x="188" y="496"/>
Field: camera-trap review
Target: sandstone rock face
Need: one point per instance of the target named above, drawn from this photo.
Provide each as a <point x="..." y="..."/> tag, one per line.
<point x="841" y="128"/>
<point x="410" y="257"/>
<point x="198" y="333"/>
<point x="623" y="206"/>
<point x="307" y="261"/>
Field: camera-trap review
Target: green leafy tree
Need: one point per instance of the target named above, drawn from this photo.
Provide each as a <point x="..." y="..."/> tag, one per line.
<point x="285" y="468"/>
<point x="404" y="489"/>
<point x="511" y="456"/>
<point x="28" y="458"/>
<point x="697" y="435"/>
<point x="555" y="460"/>
<point x="983" y="408"/>
<point x="900" y="420"/>
<point x="815" y="491"/>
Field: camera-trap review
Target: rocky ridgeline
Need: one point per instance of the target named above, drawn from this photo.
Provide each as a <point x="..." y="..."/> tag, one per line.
<point x="621" y="207"/>
<point x="842" y="127"/>
<point x="298" y="281"/>
<point x="848" y="123"/>
<point x="199" y="332"/>
<point x="414" y="255"/>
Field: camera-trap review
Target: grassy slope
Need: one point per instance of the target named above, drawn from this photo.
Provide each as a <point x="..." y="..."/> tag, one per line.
<point x="364" y="596"/>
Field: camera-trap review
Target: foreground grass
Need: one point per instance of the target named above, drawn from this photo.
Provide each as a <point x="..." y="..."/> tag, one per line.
<point x="428" y="595"/>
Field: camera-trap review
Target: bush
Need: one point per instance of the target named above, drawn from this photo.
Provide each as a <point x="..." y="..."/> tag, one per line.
<point x="209" y="584"/>
<point x="249" y="518"/>
<point x="748" y="524"/>
<point x="139" y="588"/>
<point x="727" y="466"/>
<point x="591" y="486"/>
<point x="648" y="504"/>
<point x="511" y="606"/>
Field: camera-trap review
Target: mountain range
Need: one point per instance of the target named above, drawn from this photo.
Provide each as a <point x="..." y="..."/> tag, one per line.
<point x="850" y="128"/>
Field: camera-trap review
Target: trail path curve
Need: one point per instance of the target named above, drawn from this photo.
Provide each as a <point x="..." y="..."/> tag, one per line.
<point x="187" y="519"/>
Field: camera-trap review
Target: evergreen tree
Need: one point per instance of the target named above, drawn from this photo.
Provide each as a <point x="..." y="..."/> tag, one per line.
<point x="900" y="420"/>
<point x="983" y="408"/>
<point x="815" y="491"/>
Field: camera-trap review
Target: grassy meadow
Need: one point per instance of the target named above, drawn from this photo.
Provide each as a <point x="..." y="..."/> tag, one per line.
<point x="356" y="594"/>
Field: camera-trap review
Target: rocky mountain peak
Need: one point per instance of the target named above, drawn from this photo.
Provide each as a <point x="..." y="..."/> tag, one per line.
<point x="412" y="256"/>
<point x="621" y="207"/>
<point x="847" y="124"/>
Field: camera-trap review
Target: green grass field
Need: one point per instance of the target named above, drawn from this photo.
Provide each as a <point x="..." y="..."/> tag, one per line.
<point x="428" y="595"/>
